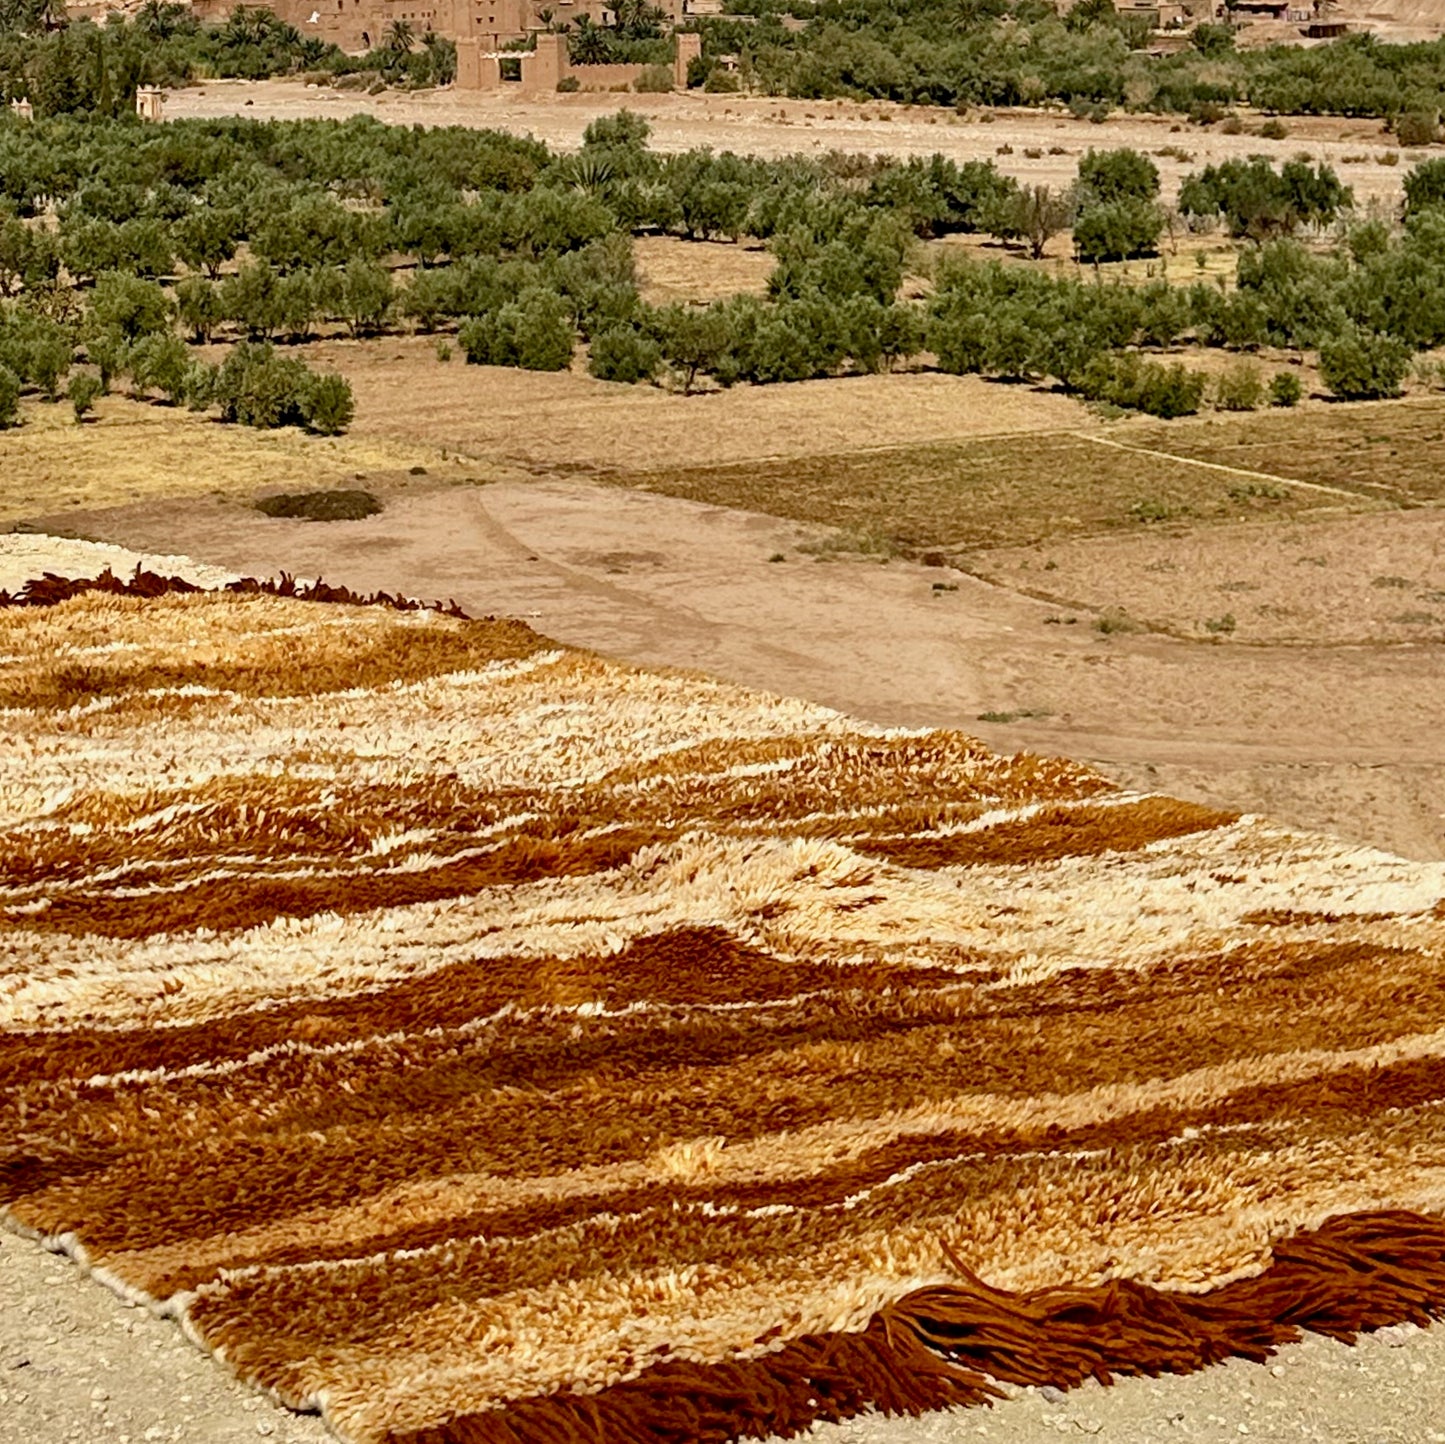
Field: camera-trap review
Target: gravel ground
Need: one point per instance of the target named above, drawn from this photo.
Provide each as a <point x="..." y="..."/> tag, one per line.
<point x="77" y="1364"/>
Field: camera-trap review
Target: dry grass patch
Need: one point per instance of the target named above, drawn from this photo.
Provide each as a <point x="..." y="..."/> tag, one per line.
<point x="996" y="491"/>
<point x="670" y="269"/>
<point x="1332" y="581"/>
<point x="138" y="452"/>
<point x="1390" y="450"/>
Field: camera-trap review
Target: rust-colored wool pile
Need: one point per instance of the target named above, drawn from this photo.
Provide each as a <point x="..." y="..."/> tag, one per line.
<point x="476" y="1040"/>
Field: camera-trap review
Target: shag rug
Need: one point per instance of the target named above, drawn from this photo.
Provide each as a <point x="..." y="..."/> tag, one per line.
<point x="479" y="1041"/>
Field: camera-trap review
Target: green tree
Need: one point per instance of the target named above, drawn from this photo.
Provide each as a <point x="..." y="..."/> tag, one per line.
<point x="252" y="298"/>
<point x="1117" y="231"/>
<point x="1363" y="365"/>
<point x="128" y="306"/>
<point x="1425" y="186"/>
<point x="327" y="405"/>
<point x="693" y="340"/>
<point x="159" y="362"/>
<point x="9" y="398"/>
<point x="207" y="237"/>
<point x="1034" y="214"/>
<point x="84" y="391"/>
<point x="366" y="297"/>
<point x="1111" y="176"/>
<point x="441" y="54"/>
<point x="199" y="307"/>
<point x="623" y="353"/>
<point x="28" y="257"/>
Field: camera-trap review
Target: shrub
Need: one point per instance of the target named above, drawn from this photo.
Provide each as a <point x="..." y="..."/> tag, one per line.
<point x="255" y="387"/>
<point x="532" y="332"/>
<point x="568" y="85"/>
<point x="1363" y="365"/>
<point x="1416" y="127"/>
<point x="1125" y="379"/>
<point x="84" y="391"/>
<point x="9" y="397"/>
<point x="1238" y="387"/>
<point x="654" y="80"/>
<point x="1273" y="129"/>
<point x="721" y="82"/>
<point x="327" y="405"/>
<point x="339" y="505"/>
<point x="1285" y="389"/>
<point x="623" y="353"/>
<point x="199" y="388"/>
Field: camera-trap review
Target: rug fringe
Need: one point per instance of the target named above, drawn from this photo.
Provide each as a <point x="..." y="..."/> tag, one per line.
<point x="49" y="590"/>
<point x="942" y="1346"/>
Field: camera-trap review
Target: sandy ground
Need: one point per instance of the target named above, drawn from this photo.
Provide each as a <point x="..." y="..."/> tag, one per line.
<point x="1337" y="582"/>
<point x="773" y="127"/>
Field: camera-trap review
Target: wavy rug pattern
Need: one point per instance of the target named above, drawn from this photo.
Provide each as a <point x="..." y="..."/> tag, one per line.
<point x="479" y="1041"/>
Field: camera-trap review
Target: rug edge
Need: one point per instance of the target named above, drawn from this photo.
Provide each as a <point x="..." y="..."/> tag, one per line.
<point x="943" y="1346"/>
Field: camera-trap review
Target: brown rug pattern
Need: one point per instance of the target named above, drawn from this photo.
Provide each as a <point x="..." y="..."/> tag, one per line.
<point x="477" y="1040"/>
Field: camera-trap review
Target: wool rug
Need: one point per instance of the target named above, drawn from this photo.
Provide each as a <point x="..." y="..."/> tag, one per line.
<point x="479" y="1041"/>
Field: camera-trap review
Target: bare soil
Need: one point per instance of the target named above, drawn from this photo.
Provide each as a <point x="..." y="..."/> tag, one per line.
<point x="1345" y="581"/>
<point x="670" y="269"/>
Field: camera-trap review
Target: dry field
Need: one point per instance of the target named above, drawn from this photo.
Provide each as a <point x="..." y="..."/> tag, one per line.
<point x="1341" y="581"/>
<point x="513" y="421"/>
<point x="1394" y="451"/>
<point x="994" y="491"/>
<point x="131" y="451"/>
<point x="772" y="127"/>
<point x="670" y="269"/>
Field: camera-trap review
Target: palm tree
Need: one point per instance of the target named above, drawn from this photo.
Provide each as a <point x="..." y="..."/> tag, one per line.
<point x="399" y="37"/>
<point x="589" y="44"/>
<point x="159" y="18"/>
<point x="443" y="56"/>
